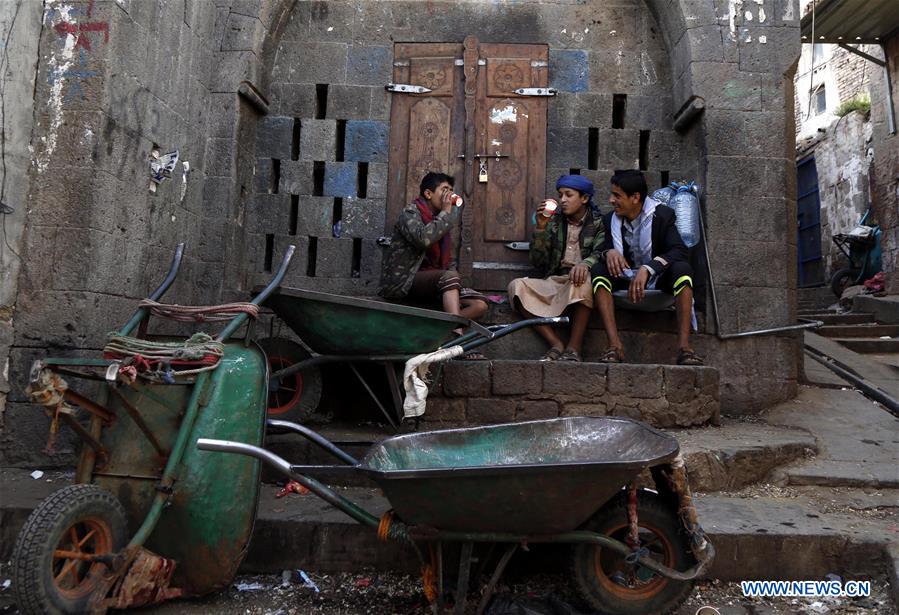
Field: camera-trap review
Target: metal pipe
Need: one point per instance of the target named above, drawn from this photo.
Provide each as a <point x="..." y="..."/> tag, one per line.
<point x="890" y="403"/>
<point x="237" y="321"/>
<point x="809" y="325"/>
<point x="141" y="313"/>
<point x="317" y="439"/>
<point x="515" y="326"/>
<point x="337" y="501"/>
<point x="728" y="336"/>
<point x="891" y="111"/>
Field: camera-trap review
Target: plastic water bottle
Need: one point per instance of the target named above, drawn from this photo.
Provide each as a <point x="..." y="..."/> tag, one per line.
<point x="685" y="204"/>
<point x="663" y="195"/>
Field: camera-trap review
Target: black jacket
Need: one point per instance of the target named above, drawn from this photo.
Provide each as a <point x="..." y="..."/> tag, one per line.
<point x="667" y="245"/>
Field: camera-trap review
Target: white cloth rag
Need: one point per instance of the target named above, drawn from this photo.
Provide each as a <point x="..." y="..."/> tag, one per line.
<point x="415" y="378"/>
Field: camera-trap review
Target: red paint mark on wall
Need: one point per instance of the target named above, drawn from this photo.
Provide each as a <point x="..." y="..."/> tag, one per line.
<point x="80" y="32"/>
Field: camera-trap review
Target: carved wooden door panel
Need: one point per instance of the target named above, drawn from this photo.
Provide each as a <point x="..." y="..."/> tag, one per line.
<point x="511" y="148"/>
<point x="427" y="129"/>
<point x="472" y="124"/>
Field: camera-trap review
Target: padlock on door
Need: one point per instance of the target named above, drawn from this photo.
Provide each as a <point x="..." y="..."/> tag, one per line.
<point x="482" y="171"/>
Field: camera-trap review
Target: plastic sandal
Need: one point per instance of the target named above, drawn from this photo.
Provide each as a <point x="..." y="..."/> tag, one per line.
<point x="687" y="356"/>
<point x="570" y="355"/>
<point x="552" y="354"/>
<point x="612" y="355"/>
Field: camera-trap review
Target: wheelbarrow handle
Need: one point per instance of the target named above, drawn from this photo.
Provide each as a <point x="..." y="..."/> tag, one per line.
<point x="141" y="313"/>
<point x="496" y="333"/>
<point x="317" y="439"/>
<point x="324" y="492"/>
<point x="236" y="323"/>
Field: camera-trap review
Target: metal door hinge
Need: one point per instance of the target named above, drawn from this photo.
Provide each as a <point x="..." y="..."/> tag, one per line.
<point x="405" y="88"/>
<point x="536" y="91"/>
<point x="523" y="246"/>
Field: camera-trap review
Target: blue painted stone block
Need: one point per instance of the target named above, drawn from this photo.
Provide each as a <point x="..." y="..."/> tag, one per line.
<point x="366" y="141"/>
<point x="568" y="70"/>
<point x="340" y="179"/>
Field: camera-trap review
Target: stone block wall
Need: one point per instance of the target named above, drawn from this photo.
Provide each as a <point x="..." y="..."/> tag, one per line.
<point x="483" y="392"/>
<point x="885" y="195"/>
<point x="324" y="145"/>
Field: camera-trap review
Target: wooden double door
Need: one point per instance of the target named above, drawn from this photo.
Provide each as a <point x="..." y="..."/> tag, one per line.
<point x="471" y="123"/>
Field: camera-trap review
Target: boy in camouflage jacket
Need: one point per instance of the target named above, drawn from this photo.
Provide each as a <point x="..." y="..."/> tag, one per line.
<point x="417" y="266"/>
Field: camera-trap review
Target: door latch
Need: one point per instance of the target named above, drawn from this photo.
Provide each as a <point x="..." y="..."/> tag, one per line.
<point x="536" y="91"/>
<point x="405" y="88"/>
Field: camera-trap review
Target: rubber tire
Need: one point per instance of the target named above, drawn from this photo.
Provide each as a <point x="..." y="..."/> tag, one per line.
<point x="282" y="349"/>
<point x="842" y="279"/>
<point x="35" y="590"/>
<point x="653" y="511"/>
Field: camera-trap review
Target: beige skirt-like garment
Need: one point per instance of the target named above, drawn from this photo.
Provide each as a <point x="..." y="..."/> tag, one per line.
<point x="545" y="297"/>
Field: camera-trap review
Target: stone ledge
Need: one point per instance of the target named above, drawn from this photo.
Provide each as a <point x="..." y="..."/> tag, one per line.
<point x="483" y="392"/>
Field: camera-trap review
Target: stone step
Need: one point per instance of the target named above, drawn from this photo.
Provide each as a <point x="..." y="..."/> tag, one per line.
<point x="483" y="392"/>
<point x="868" y="345"/>
<point x="856" y="331"/>
<point x="818" y="297"/>
<point x="805" y="533"/>
<point x="830" y="318"/>
<point x="845" y="474"/>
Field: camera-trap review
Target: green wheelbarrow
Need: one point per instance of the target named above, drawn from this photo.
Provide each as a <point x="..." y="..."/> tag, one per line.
<point x="149" y="517"/>
<point x="353" y="331"/>
<point x="568" y="480"/>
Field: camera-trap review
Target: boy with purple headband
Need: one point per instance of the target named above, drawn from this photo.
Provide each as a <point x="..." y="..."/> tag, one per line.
<point x="565" y="245"/>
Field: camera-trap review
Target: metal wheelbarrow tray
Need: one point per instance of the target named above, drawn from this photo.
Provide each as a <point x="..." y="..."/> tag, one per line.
<point x="533" y="477"/>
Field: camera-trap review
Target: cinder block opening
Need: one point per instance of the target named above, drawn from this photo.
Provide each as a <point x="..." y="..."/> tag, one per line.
<point x="337" y="212"/>
<point x="644" y="150"/>
<point x="619" y="110"/>
<point x="593" y="149"/>
<point x="362" y="180"/>
<point x="318" y="178"/>
<point x="664" y="178"/>
<point x="341" y="140"/>
<point x="574" y="171"/>
<point x="295" y="142"/>
<point x="321" y="100"/>
<point x="275" y="176"/>
<point x="294" y="214"/>
<point x="313" y="252"/>
<point x="356" y="270"/>
<point x="269" y="253"/>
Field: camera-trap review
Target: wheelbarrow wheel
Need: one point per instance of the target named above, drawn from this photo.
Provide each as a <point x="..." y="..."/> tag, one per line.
<point x="295" y="397"/>
<point x="843" y="279"/>
<point x="610" y="585"/>
<point x="54" y="565"/>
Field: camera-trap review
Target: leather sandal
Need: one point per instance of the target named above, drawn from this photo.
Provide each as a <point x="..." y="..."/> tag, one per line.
<point x="612" y="355"/>
<point x="552" y="354"/>
<point x="570" y="355"/>
<point x="686" y="356"/>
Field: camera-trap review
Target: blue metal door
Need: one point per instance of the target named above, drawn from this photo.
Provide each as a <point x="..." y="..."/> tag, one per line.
<point x="811" y="265"/>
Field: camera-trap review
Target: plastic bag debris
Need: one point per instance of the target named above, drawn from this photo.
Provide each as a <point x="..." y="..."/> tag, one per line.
<point x="5" y="585"/>
<point x="249" y="587"/>
<point x="36" y="474"/>
<point x="308" y="582"/>
<point x="161" y="167"/>
<point x="292" y="487"/>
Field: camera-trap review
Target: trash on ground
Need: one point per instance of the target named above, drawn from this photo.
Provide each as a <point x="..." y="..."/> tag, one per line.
<point x="308" y="582"/>
<point x="292" y="487"/>
<point x="36" y="474"/>
<point x="249" y="587"/>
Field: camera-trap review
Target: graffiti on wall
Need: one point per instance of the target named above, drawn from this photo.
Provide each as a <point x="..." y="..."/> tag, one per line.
<point x="78" y="34"/>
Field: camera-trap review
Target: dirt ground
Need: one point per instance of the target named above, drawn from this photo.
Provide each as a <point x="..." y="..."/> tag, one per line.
<point x="386" y="593"/>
